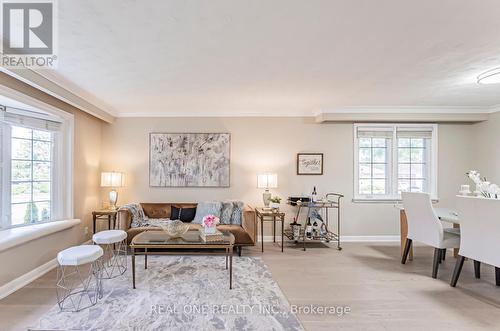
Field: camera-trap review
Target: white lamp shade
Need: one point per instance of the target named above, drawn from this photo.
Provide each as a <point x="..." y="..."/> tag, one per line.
<point x="267" y="181"/>
<point x="111" y="179"/>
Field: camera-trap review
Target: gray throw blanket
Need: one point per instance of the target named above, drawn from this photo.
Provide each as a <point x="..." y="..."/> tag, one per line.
<point x="138" y="217"/>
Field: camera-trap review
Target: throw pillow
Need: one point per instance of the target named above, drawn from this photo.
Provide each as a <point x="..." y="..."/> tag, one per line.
<point x="226" y="212"/>
<point x="207" y="208"/>
<point x="186" y="215"/>
<point x="237" y="214"/>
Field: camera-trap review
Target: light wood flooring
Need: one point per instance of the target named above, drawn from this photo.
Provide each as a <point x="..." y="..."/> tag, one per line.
<point x="368" y="278"/>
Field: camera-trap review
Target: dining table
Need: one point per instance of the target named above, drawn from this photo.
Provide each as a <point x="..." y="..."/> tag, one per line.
<point x="446" y="215"/>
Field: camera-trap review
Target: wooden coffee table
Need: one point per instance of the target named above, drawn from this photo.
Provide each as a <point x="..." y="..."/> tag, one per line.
<point x="191" y="240"/>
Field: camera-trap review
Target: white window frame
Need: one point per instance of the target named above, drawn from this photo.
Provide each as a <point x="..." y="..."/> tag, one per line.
<point x="392" y="159"/>
<point x="63" y="161"/>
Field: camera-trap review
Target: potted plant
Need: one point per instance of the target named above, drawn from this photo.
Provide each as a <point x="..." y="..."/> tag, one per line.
<point x="209" y="224"/>
<point x="275" y="202"/>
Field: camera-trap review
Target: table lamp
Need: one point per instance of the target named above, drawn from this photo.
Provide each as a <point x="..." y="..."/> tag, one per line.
<point x="112" y="179"/>
<point x="267" y="181"/>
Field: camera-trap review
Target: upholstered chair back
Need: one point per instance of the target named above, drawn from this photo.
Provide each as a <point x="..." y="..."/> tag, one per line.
<point x="479" y="229"/>
<point x="423" y="224"/>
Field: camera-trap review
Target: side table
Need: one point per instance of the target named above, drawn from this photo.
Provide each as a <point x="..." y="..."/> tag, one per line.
<point x="110" y="215"/>
<point x="271" y="216"/>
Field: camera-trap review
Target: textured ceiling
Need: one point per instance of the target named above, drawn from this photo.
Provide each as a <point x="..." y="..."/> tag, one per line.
<point x="276" y="57"/>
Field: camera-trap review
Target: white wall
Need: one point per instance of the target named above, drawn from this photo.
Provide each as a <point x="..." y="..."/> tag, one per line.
<point x="18" y="260"/>
<point x="271" y="144"/>
<point x="486" y="154"/>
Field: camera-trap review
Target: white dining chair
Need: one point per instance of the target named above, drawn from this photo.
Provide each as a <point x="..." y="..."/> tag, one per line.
<point x="425" y="227"/>
<point x="480" y="230"/>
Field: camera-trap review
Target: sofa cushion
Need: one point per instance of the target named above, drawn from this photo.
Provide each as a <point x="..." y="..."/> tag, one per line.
<point x="184" y="214"/>
<point x="207" y="208"/>
<point x="226" y="212"/>
<point x="241" y="237"/>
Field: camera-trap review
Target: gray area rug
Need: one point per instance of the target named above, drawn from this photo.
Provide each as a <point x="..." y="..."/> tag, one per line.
<point x="184" y="293"/>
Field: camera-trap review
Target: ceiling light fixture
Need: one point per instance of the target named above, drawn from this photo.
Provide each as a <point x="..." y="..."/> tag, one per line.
<point x="491" y="76"/>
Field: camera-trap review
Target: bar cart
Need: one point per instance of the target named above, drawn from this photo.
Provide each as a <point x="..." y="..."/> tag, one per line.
<point x="331" y="201"/>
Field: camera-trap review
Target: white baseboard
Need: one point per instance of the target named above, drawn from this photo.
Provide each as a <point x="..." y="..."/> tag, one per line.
<point x="27" y="278"/>
<point x="348" y="238"/>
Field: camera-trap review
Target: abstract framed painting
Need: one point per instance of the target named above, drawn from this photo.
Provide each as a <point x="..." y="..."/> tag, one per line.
<point x="309" y="163"/>
<point x="189" y="159"/>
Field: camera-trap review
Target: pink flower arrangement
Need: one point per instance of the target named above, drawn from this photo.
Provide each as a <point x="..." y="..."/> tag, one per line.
<point x="210" y="221"/>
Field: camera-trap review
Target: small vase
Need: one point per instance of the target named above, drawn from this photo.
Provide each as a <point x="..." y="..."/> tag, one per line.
<point x="210" y="229"/>
<point x="274" y="205"/>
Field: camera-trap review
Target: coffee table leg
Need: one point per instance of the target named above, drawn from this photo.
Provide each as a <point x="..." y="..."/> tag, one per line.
<point x="282" y="233"/>
<point x="145" y="258"/>
<point x="262" y="233"/>
<point x="231" y="268"/>
<point x="133" y="268"/>
<point x="274" y="229"/>
<point x="227" y="255"/>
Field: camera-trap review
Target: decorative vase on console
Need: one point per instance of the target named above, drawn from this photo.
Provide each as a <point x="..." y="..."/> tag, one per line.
<point x="465" y="190"/>
<point x="275" y="203"/>
<point x="210" y="224"/>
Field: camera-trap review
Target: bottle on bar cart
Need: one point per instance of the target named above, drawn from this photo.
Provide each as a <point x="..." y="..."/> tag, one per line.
<point x="308" y="230"/>
<point x="314" y="195"/>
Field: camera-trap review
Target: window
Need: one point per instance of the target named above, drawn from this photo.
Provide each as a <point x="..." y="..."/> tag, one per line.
<point x="373" y="165"/>
<point x="33" y="169"/>
<point x="392" y="158"/>
<point x="31" y="175"/>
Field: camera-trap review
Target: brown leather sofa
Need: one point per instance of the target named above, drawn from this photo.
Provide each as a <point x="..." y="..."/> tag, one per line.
<point x="244" y="235"/>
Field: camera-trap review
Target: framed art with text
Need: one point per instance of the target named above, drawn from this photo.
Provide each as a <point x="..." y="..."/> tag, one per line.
<point x="309" y="163"/>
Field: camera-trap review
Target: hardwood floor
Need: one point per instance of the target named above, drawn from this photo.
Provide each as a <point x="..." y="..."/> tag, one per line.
<point x="381" y="293"/>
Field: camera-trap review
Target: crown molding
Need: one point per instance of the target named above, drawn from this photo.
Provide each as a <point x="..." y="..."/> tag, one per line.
<point x="402" y="117"/>
<point x="408" y="110"/>
<point x="435" y="114"/>
<point x="494" y="109"/>
<point x="44" y="84"/>
<point x="212" y="114"/>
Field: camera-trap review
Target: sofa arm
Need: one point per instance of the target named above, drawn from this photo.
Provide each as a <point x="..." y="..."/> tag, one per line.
<point x="249" y="223"/>
<point x="123" y="220"/>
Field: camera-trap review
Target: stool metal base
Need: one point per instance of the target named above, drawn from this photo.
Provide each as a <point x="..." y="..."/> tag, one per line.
<point x="77" y="290"/>
<point x="115" y="259"/>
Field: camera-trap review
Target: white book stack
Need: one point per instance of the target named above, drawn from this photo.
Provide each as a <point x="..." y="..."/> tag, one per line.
<point x="210" y="237"/>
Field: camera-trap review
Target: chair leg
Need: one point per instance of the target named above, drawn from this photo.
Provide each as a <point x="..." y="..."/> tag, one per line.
<point x="406" y="251"/>
<point x="458" y="269"/>
<point x="497" y="276"/>
<point x="239" y="250"/>
<point x="477" y="269"/>
<point x="443" y="255"/>
<point x="440" y="258"/>
<point x="435" y="264"/>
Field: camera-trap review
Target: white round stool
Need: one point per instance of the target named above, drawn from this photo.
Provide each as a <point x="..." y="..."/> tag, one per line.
<point x="79" y="277"/>
<point x="114" y="243"/>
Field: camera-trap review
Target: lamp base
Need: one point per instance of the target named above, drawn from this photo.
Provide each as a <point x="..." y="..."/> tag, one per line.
<point x="113" y="198"/>
<point x="266" y="198"/>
